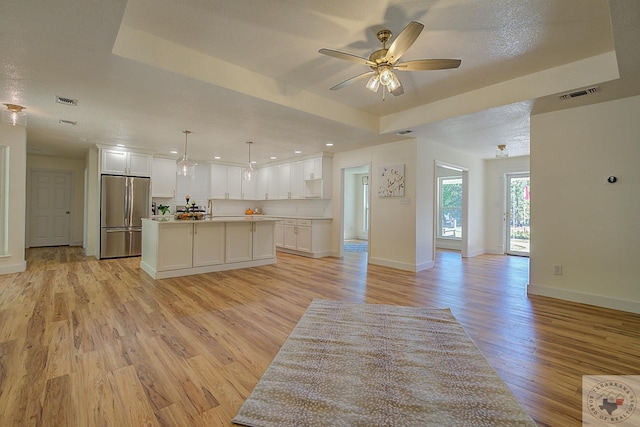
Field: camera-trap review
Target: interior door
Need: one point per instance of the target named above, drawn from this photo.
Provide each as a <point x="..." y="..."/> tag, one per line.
<point x="50" y="208"/>
<point x="517" y="218"/>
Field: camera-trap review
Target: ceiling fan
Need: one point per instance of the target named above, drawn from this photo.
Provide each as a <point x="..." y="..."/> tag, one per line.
<point x="384" y="61"/>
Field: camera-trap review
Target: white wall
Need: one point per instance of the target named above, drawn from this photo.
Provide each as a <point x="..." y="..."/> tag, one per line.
<point x="474" y="230"/>
<point x="392" y="224"/>
<point x="76" y="168"/>
<point x="495" y="203"/>
<point x="580" y="222"/>
<point x="15" y="139"/>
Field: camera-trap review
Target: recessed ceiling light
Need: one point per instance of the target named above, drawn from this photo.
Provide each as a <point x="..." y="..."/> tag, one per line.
<point x="273" y="157"/>
<point x="297" y="152"/>
<point x="217" y="157"/>
<point x="120" y="145"/>
<point x="329" y="144"/>
<point x="173" y="152"/>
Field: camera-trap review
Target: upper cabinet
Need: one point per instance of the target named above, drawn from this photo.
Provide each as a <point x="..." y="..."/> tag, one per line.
<point x="317" y="178"/>
<point x="226" y="182"/>
<point x="163" y="178"/>
<point x="119" y="162"/>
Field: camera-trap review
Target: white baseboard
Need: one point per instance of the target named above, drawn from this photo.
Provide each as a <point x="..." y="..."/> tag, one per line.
<point x="584" y="298"/>
<point x="477" y="252"/>
<point x="14" y="268"/>
<point x="401" y="265"/>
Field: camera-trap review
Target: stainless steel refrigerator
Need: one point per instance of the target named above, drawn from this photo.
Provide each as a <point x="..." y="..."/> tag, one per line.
<point x="124" y="202"/>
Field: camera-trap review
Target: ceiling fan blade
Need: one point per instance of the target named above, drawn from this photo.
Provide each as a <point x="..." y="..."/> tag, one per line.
<point x="347" y="57"/>
<point x="428" y="64"/>
<point x="403" y="42"/>
<point x="352" y="80"/>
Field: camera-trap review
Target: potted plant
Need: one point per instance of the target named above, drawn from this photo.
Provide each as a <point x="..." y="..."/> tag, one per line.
<point x="163" y="209"/>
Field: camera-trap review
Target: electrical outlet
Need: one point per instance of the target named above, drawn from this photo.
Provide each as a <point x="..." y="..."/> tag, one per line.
<point x="557" y="270"/>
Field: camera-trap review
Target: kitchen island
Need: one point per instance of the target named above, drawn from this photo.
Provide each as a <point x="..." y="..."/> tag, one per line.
<point x="173" y="248"/>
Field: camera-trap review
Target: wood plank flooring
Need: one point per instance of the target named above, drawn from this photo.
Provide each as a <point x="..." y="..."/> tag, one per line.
<point x="99" y="343"/>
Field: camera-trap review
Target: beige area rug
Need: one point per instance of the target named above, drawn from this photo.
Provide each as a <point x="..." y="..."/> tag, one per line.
<point x="348" y="364"/>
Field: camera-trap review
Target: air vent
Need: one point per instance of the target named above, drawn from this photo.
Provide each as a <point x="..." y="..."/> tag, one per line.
<point x="67" y="122"/>
<point x="66" y="101"/>
<point x="403" y="132"/>
<point x="581" y="92"/>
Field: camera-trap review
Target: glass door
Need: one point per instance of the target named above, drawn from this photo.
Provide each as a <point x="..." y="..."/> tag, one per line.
<point x="517" y="217"/>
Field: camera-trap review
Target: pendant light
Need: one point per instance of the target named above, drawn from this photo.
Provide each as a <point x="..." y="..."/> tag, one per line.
<point x="14" y="115"/>
<point x="184" y="167"/>
<point x="249" y="172"/>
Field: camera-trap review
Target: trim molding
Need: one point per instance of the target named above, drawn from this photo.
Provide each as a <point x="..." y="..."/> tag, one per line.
<point x="14" y="268"/>
<point x="584" y="298"/>
<point x="401" y="265"/>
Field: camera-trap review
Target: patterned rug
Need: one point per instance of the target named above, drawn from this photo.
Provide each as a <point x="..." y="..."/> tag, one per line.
<point x="348" y="364"/>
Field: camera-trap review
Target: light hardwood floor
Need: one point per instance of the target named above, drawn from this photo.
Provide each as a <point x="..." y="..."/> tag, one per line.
<point x="99" y="343"/>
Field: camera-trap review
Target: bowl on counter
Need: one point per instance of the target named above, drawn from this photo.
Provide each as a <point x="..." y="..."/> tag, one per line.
<point x="189" y="216"/>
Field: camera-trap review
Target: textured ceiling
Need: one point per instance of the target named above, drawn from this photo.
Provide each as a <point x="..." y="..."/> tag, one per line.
<point x="232" y="71"/>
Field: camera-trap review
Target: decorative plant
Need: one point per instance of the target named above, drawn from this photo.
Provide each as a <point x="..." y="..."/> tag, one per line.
<point x="164" y="209"/>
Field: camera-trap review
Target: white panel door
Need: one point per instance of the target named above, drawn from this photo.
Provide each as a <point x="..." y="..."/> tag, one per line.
<point x="50" y="208"/>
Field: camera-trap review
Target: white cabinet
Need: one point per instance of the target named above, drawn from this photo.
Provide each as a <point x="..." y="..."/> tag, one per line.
<point x="208" y="243"/>
<point x="273" y="182"/>
<point x="297" y="234"/>
<point x="313" y="168"/>
<point x="284" y="181"/>
<point x="297" y="180"/>
<point x="263" y="240"/>
<point x="120" y="162"/>
<point x="261" y="184"/>
<point x="174" y="246"/>
<point x="306" y="237"/>
<point x="181" y="248"/>
<point x="239" y="242"/>
<point x="163" y="178"/>
<point x="317" y="178"/>
<point x="279" y="233"/>
<point x="249" y="241"/>
<point x="226" y="182"/>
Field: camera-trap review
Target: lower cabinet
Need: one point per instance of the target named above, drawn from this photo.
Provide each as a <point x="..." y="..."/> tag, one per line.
<point x="208" y="243"/>
<point x="306" y="237"/>
<point x="248" y="241"/>
<point x="279" y="233"/>
<point x="175" y="248"/>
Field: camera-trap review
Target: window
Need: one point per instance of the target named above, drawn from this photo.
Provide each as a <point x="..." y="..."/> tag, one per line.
<point x="450" y="207"/>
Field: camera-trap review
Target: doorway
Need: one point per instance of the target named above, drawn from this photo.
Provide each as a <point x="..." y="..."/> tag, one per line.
<point x="451" y="207"/>
<point x="517" y="214"/>
<point x="49" y="208"/>
<point x="355" y="209"/>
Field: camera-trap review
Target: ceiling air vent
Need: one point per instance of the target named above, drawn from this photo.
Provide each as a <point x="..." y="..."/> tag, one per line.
<point x="66" y="101"/>
<point x="67" y="122"/>
<point x="581" y="92"/>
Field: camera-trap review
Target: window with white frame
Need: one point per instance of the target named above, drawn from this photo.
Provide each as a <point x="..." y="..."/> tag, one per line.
<point x="450" y="207"/>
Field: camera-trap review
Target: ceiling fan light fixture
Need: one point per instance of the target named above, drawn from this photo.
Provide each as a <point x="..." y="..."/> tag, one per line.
<point x="14" y="115"/>
<point x="249" y="172"/>
<point x="502" y="152"/>
<point x="184" y="167"/>
<point x="374" y="83"/>
<point x="394" y="83"/>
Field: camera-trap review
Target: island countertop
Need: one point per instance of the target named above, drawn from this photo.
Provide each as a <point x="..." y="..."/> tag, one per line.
<point x="171" y="219"/>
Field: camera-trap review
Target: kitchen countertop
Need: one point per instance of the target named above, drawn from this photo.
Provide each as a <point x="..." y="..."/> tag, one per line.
<point x="170" y="218"/>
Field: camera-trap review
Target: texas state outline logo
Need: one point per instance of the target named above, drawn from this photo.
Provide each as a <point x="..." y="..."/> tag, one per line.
<point x="610" y="400"/>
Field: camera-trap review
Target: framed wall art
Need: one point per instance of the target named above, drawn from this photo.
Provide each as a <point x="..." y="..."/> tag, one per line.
<point x="391" y="181"/>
